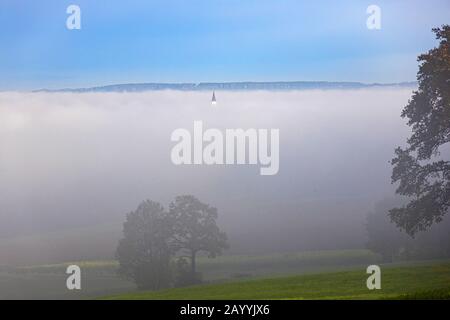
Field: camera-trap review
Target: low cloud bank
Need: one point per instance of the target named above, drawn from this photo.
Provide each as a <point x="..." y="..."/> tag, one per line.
<point x="72" y="160"/>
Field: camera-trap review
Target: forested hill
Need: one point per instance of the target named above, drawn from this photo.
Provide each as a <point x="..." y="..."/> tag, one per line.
<point x="279" y="85"/>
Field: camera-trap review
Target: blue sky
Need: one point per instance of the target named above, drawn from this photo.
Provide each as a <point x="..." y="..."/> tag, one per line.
<point x="212" y="40"/>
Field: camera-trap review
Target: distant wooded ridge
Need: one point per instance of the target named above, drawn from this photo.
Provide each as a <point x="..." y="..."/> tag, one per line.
<point x="278" y="85"/>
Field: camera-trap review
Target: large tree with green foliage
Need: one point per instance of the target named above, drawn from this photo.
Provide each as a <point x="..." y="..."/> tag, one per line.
<point x="196" y="229"/>
<point x="423" y="167"/>
<point x="144" y="253"/>
<point x="153" y="237"/>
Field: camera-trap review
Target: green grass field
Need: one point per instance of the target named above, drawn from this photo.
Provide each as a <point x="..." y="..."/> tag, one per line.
<point x="99" y="278"/>
<point x="406" y="282"/>
<point x="303" y="275"/>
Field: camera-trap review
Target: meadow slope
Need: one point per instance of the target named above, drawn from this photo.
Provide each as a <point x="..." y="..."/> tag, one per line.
<point x="397" y="282"/>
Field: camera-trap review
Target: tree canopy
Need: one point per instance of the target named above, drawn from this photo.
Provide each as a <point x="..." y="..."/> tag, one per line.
<point x="196" y="229"/>
<point x="423" y="168"/>
<point x="153" y="237"/>
<point x="144" y="252"/>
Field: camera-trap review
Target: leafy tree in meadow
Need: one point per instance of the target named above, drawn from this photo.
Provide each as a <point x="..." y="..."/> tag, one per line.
<point x="423" y="167"/>
<point x="195" y="229"/>
<point x="155" y="240"/>
<point x="144" y="253"/>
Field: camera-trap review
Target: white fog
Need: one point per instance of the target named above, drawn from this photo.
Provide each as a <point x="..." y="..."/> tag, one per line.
<point x="78" y="160"/>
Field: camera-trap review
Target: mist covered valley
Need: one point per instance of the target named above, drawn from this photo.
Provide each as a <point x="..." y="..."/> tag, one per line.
<point x="73" y="164"/>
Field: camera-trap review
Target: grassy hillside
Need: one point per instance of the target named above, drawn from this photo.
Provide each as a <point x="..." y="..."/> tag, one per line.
<point x="397" y="282"/>
<point x="99" y="278"/>
<point x="274" y="276"/>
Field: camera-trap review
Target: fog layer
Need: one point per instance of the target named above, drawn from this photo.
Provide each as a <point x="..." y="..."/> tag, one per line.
<point x="78" y="160"/>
